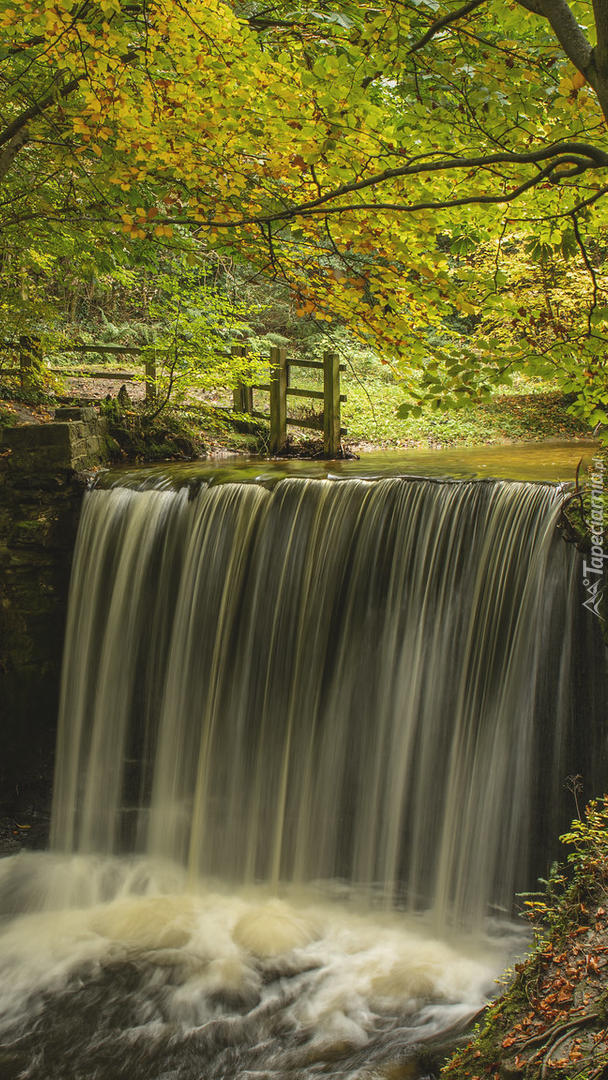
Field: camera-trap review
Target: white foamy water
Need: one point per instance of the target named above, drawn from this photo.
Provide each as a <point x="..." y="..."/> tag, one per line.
<point x="126" y="953"/>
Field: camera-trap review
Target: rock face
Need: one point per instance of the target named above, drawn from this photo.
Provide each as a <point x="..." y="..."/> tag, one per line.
<point x="43" y="474"/>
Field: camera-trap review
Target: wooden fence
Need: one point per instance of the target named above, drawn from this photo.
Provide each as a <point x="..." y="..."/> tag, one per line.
<point x="279" y="387"/>
<point x="31" y="356"/>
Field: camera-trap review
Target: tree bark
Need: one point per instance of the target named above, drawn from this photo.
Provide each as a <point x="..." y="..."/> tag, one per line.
<point x="8" y="155"/>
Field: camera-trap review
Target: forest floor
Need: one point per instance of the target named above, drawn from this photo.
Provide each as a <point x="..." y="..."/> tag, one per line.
<point x="552" y="1021"/>
<point x="201" y="427"/>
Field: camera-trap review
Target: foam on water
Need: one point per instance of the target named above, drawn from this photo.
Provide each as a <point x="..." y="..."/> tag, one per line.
<point x="289" y="978"/>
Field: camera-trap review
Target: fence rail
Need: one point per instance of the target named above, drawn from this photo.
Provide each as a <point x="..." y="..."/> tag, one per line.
<point x="31" y="357"/>
<point x="279" y="391"/>
<point x="278" y="388"/>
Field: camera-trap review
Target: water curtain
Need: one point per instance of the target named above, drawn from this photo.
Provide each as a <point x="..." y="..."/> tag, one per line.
<point x="364" y="682"/>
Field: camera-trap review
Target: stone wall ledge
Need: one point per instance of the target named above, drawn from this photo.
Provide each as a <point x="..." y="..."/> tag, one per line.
<point x="75" y="442"/>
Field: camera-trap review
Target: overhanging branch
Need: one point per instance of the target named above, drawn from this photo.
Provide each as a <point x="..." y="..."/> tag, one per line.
<point x="10" y="151"/>
<point x="46" y="102"/>
<point x="574" y="157"/>
<point x="445" y="20"/>
<point x="568" y="33"/>
<point x="600" y="11"/>
<point x="407" y="208"/>
<point x="24" y="118"/>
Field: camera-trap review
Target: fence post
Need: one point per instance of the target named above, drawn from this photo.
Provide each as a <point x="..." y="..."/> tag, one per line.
<point x="242" y="395"/>
<point x="331" y="404"/>
<point x="278" y="399"/>
<point x="30" y="360"/>
<point x="150" y="367"/>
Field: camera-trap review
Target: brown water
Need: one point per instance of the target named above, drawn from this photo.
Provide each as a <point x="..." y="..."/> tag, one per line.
<point x="552" y="461"/>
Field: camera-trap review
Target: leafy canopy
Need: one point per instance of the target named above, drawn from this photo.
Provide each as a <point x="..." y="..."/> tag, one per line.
<point x="407" y="167"/>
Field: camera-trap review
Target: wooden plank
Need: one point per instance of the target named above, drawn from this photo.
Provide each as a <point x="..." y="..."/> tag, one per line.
<point x="278" y="399"/>
<point x="94" y="373"/>
<point x="320" y="394"/>
<point x="136" y="350"/>
<point x="331" y="411"/>
<point x="292" y="392"/>
<point x="315" y="422"/>
<point x="306" y="363"/>
<point x="307" y="393"/>
<point x="311" y="364"/>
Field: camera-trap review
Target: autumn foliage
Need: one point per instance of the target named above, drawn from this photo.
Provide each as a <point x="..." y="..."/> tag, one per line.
<point x="395" y="166"/>
<point x="553" y="1021"/>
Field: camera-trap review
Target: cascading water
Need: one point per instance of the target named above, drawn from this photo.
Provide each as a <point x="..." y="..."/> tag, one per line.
<point x="278" y="705"/>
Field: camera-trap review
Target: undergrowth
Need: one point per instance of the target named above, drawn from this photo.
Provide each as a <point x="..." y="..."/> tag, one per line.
<point x="551" y="1024"/>
<point x="180" y="434"/>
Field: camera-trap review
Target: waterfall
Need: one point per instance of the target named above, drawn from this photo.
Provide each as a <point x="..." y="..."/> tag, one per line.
<point x="365" y="683"/>
<point x="312" y="733"/>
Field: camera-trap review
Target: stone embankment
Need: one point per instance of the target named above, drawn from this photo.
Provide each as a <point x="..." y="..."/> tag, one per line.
<point x="44" y="470"/>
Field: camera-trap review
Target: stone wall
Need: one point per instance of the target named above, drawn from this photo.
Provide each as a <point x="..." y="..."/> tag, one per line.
<point x="44" y="469"/>
<point x="75" y="442"/>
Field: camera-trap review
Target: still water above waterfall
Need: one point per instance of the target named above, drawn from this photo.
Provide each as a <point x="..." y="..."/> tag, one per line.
<point x="313" y="739"/>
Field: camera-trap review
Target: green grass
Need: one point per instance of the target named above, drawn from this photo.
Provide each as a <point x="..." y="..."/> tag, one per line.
<point x="373" y="398"/>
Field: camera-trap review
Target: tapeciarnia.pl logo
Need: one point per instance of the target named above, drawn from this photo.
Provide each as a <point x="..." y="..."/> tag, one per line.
<point x="594" y="565"/>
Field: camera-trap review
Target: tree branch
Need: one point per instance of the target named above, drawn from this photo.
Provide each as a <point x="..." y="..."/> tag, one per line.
<point x="445" y="204"/>
<point x="589" y="266"/>
<point x="445" y="20"/>
<point x="21" y="121"/>
<point x="591" y="62"/>
<point x="532" y="5"/>
<point x="51" y="98"/>
<point x="315" y="209"/>
<point x="568" y="33"/>
<point x="581" y="156"/>
<point x="600" y="53"/>
<point x="8" y="155"/>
